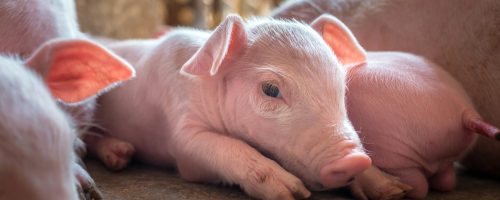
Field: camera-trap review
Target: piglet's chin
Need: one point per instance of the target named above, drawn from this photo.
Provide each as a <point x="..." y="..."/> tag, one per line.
<point x="341" y="172"/>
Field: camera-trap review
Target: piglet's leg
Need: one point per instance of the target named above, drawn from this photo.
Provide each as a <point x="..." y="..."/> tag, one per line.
<point x="375" y="184"/>
<point x="87" y="189"/>
<point x="445" y="180"/>
<point x="209" y="157"/>
<point x="115" y="153"/>
<point x="415" y="178"/>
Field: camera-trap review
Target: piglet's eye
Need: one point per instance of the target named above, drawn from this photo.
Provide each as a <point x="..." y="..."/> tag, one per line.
<point x="271" y="90"/>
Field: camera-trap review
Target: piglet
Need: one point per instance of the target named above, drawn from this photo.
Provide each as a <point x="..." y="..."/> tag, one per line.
<point x="27" y="24"/>
<point x="36" y="137"/>
<point x="74" y="71"/>
<point x="414" y="119"/>
<point x="247" y="104"/>
<point x="461" y="36"/>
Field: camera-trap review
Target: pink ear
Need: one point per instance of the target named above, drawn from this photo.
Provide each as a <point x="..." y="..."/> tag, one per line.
<point x="340" y="39"/>
<point x="225" y="40"/>
<point x="75" y="70"/>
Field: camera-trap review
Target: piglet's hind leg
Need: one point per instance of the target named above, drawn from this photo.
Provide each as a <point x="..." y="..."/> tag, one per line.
<point x="444" y="180"/>
<point x="115" y="153"/>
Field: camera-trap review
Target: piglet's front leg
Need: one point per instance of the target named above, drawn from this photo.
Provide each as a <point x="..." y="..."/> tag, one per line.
<point x="212" y="157"/>
<point x="375" y="184"/>
<point x="85" y="185"/>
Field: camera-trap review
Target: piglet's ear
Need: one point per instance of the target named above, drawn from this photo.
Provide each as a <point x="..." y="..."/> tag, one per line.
<point x="76" y="70"/>
<point x="340" y="39"/>
<point x="225" y="41"/>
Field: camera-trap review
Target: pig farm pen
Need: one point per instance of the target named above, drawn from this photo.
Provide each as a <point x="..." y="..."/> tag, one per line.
<point x="123" y="19"/>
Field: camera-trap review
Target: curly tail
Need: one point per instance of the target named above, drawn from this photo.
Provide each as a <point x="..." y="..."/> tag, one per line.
<point x="474" y="122"/>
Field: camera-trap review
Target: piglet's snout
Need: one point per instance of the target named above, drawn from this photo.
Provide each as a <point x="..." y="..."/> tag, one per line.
<point x="341" y="172"/>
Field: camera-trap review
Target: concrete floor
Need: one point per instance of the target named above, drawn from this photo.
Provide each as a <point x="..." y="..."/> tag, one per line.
<point x="140" y="182"/>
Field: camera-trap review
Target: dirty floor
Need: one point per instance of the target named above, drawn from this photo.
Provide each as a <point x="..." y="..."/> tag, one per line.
<point x="140" y="182"/>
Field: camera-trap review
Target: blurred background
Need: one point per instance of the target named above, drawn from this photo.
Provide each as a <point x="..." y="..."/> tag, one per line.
<point x="125" y="19"/>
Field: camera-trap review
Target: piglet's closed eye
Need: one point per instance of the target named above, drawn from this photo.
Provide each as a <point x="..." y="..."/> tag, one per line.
<point x="340" y="39"/>
<point x="76" y="70"/>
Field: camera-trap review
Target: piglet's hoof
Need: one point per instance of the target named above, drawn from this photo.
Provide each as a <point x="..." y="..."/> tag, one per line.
<point x="89" y="193"/>
<point x="86" y="187"/>
<point x="375" y="184"/>
<point x="113" y="152"/>
<point x="271" y="182"/>
<point x="116" y="154"/>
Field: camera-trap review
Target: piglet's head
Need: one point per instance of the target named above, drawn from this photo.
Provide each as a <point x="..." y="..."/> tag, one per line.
<point x="280" y="87"/>
<point x="76" y="71"/>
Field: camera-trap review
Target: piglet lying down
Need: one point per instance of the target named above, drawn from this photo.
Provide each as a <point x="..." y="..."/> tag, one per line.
<point x="213" y="104"/>
<point x="413" y="118"/>
<point x="461" y="36"/>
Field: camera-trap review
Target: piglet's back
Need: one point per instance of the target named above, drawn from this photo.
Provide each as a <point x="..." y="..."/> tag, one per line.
<point x="35" y="138"/>
<point x="25" y="25"/>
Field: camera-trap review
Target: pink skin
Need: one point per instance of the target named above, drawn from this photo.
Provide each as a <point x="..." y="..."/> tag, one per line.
<point x="116" y="153"/>
<point x="421" y="104"/>
<point x="113" y="152"/>
<point x="214" y="122"/>
<point x="459" y="35"/>
<point x="25" y="26"/>
<point x="35" y="163"/>
<point x="93" y="71"/>
<point x="74" y="71"/>
<point x="376" y="31"/>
